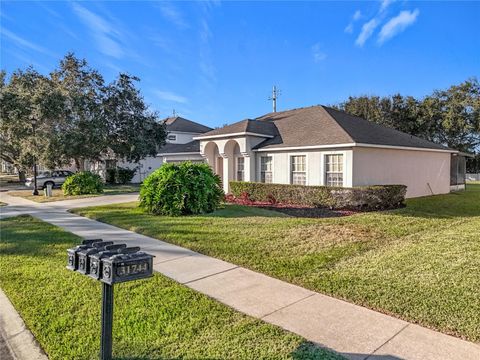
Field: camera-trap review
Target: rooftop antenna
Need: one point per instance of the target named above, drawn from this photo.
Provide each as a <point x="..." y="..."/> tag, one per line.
<point x="275" y="94"/>
<point x="174" y="113"/>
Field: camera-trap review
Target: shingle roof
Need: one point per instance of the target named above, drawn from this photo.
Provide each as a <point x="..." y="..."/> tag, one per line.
<point x="193" y="146"/>
<point x="321" y="125"/>
<point x="180" y="124"/>
<point x="247" y="125"/>
<point x="367" y="132"/>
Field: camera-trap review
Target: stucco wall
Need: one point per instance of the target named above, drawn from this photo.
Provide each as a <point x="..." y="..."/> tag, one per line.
<point x="424" y="172"/>
<point x="315" y="165"/>
<point x="182" y="137"/>
<point x="144" y="167"/>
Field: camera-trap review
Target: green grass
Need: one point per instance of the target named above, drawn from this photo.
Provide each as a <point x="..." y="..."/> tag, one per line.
<point x="57" y="194"/>
<point x="154" y="318"/>
<point x="420" y="263"/>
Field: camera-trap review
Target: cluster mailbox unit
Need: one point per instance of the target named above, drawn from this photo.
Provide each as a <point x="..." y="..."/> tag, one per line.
<point x="110" y="263"/>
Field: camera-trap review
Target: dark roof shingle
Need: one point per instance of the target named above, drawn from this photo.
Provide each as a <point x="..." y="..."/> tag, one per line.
<point x="193" y="146"/>
<point x="247" y="125"/>
<point x="180" y="124"/>
<point x="321" y="125"/>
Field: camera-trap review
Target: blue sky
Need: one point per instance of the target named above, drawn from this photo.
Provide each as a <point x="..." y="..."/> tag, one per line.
<point x="216" y="62"/>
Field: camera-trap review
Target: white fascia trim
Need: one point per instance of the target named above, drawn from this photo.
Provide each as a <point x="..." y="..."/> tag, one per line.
<point x="231" y="135"/>
<point x="183" y="153"/>
<point x="306" y="147"/>
<point x="312" y="147"/>
<point x="405" y="148"/>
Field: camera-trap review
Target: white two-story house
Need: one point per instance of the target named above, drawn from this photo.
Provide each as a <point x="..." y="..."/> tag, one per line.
<point x="180" y="146"/>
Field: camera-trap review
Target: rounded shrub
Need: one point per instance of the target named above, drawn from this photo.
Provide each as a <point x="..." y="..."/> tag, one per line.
<point x="181" y="189"/>
<point x="84" y="182"/>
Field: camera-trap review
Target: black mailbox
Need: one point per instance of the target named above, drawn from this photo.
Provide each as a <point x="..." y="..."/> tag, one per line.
<point x="129" y="264"/>
<point x="84" y="254"/>
<point x="73" y="253"/>
<point x="109" y="263"/>
<point x="96" y="261"/>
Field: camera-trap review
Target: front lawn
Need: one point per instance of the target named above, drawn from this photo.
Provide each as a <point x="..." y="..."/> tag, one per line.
<point x="57" y="194"/>
<point x="420" y="263"/>
<point x="154" y="318"/>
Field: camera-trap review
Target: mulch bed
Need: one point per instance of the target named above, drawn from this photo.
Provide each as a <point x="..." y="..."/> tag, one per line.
<point x="295" y="210"/>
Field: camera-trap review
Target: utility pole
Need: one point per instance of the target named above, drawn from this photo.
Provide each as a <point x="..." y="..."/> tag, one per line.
<point x="275" y="94"/>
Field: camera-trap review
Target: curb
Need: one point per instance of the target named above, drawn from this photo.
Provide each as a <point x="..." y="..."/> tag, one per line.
<point x="19" y="339"/>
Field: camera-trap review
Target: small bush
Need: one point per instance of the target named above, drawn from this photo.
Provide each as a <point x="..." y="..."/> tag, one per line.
<point x="84" y="182"/>
<point x="125" y="175"/>
<point x="357" y="198"/>
<point x="182" y="189"/>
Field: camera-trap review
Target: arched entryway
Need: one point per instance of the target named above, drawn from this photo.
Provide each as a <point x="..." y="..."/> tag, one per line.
<point x="227" y="160"/>
<point x="214" y="158"/>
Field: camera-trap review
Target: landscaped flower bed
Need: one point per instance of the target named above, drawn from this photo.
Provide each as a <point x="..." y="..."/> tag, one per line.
<point x="378" y="197"/>
<point x="295" y="210"/>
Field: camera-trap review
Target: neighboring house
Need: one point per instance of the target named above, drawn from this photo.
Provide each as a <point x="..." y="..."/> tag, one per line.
<point x="319" y="145"/>
<point x="180" y="147"/>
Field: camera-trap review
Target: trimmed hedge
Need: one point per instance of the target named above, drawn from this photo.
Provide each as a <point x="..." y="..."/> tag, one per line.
<point x="182" y="189"/>
<point x="376" y="197"/>
<point x="81" y="183"/>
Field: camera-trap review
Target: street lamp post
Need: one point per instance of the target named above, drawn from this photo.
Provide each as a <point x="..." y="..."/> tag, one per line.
<point x="35" y="189"/>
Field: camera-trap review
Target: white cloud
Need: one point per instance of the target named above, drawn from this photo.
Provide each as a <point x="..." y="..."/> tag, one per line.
<point x="349" y="28"/>
<point x="356" y="16"/>
<point x="367" y="30"/>
<point x="105" y="34"/>
<point x="25" y="44"/>
<point x="206" y="64"/>
<point x="318" y="54"/>
<point x="172" y="14"/>
<point x="397" y="24"/>
<point x="385" y="4"/>
<point x="170" y="96"/>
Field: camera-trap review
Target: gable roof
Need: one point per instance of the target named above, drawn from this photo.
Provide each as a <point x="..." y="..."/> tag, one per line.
<point x="191" y="147"/>
<point x="245" y="126"/>
<point x="180" y="124"/>
<point x="321" y="125"/>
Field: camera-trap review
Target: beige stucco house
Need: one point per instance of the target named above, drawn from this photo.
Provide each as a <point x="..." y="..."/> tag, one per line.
<point x="319" y="145"/>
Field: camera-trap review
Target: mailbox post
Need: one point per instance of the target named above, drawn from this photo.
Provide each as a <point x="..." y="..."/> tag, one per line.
<point x="107" y="322"/>
<point x="109" y="263"/>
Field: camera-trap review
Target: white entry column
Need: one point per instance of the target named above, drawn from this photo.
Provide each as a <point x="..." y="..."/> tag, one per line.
<point x="228" y="163"/>
<point x="249" y="169"/>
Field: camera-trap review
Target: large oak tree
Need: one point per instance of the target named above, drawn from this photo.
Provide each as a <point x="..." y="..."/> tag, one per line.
<point x="75" y="116"/>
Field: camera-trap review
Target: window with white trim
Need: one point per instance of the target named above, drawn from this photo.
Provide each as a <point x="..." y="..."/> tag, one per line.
<point x="334" y="170"/>
<point x="240" y="169"/>
<point x="298" y="170"/>
<point x="172" y="137"/>
<point x="266" y="169"/>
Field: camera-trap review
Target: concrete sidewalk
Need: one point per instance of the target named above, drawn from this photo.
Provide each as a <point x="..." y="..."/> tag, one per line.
<point x="351" y="330"/>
